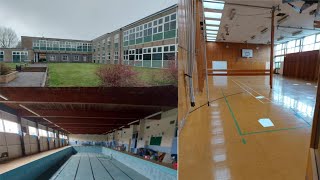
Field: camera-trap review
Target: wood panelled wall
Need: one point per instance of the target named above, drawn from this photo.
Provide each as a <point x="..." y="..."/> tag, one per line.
<point x="231" y="52"/>
<point x="303" y="65"/>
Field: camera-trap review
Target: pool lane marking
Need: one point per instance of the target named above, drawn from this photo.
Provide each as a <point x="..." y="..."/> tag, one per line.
<point x="105" y="167"/>
<point x="91" y="167"/>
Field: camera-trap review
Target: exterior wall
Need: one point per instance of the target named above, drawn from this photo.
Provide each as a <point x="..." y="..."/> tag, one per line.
<point x="8" y="54"/>
<point x="47" y="49"/>
<point x="136" y="47"/>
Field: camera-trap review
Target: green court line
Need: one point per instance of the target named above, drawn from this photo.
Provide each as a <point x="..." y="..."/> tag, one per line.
<point x="256" y="132"/>
<point x="232" y="114"/>
<point x="275" y="130"/>
<point x="244" y="141"/>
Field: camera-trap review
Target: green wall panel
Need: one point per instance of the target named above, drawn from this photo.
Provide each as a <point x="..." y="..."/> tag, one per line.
<point x="146" y="63"/>
<point x="36" y="48"/>
<point x="157" y="64"/>
<point x="131" y="63"/>
<point x="139" y="41"/>
<point x="138" y="63"/>
<point x="170" y="34"/>
<point x="132" y="42"/>
<point x="147" y="39"/>
<point x="158" y="37"/>
<point x="126" y="43"/>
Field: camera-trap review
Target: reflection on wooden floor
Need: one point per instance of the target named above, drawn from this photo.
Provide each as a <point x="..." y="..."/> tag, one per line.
<point x="227" y="141"/>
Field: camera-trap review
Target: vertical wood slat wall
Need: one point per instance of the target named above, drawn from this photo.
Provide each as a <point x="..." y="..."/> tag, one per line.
<point x="302" y="65"/>
<point x="231" y="52"/>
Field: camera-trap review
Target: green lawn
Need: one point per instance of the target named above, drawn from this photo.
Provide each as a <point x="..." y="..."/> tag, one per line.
<point x="73" y="75"/>
<point x="83" y="75"/>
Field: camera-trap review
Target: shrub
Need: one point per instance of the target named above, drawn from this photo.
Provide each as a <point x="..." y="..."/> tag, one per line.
<point x="118" y="76"/>
<point x="172" y="73"/>
<point x="4" y="69"/>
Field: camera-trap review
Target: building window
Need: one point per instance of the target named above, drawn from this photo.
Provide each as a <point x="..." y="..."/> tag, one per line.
<point x="1" y="126"/>
<point x="308" y="43"/>
<point x="19" y="56"/>
<point x="108" y="56"/>
<point x="147" y="29"/>
<point x="116" y="55"/>
<point x="11" y="127"/>
<point x="170" y="22"/>
<point x="36" y="44"/>
<point x="138" y="55"/>
<point x="158" y="26"/>
<point x="147" y="54"/>
<point x="50" y="134"/>
<point x="131" y="54"/>
<point x="132" y="35"/>
<point x="32" y="131"/>
<point x="43" y="133"/>
<point x="169" y="52"/>
<point x="52" y="58"/>
<point x="84" y="58"/>
<point x="126" y="36"/>
<point x="65" y="58"/>
<point x="157" y="53"/>
<point x="126" y="55"/>
<point x="76" y="58"/>
<point x="1" y="55"/>
<point x="139" y="32"/>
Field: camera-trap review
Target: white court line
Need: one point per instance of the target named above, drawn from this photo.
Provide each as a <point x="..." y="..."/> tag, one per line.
<point x="257" y="92"/>
<point x="247" y="91"/>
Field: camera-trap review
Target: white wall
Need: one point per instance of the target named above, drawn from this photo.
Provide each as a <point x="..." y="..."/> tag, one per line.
<point x="161" y="128"/>
<point x="156" y="128"/>
<point x="10" y="142"/>
<point x="30" y="142"/>
<point x="80" y="138"/>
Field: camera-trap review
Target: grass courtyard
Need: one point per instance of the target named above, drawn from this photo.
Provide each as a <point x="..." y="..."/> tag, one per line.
<point x="84" y="75"/>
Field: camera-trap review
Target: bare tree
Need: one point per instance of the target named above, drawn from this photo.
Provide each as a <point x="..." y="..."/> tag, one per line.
<point x="8" y="38"/>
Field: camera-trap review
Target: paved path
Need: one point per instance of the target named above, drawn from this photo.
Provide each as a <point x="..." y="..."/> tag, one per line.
<point x="26" y="79"/>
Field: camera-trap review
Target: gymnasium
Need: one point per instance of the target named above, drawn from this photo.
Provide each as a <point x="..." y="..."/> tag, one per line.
<point x="248" y="101"/>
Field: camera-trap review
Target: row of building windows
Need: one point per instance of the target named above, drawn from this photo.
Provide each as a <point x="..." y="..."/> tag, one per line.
<point x="162" y="28"/>
<point x="62" y="46"/>
<point x="308" y="43"/>
<point x="19" y="56"/>
<point x="152" y="53"/>
<point x="66" y="58"/>
<point x="14" y="128"/>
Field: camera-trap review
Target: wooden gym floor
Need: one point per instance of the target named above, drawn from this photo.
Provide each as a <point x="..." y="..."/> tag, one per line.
<point x="227" y="141"/>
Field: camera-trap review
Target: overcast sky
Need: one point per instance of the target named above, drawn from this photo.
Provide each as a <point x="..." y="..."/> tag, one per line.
<point x="74" y="19"/>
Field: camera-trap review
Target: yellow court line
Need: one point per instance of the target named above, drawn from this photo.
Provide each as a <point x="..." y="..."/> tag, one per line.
<point x="247" y="91"/>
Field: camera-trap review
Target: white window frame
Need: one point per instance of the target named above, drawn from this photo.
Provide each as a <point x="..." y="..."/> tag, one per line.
<point x="76" y="58"/>
<point x="64" y="59"/>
